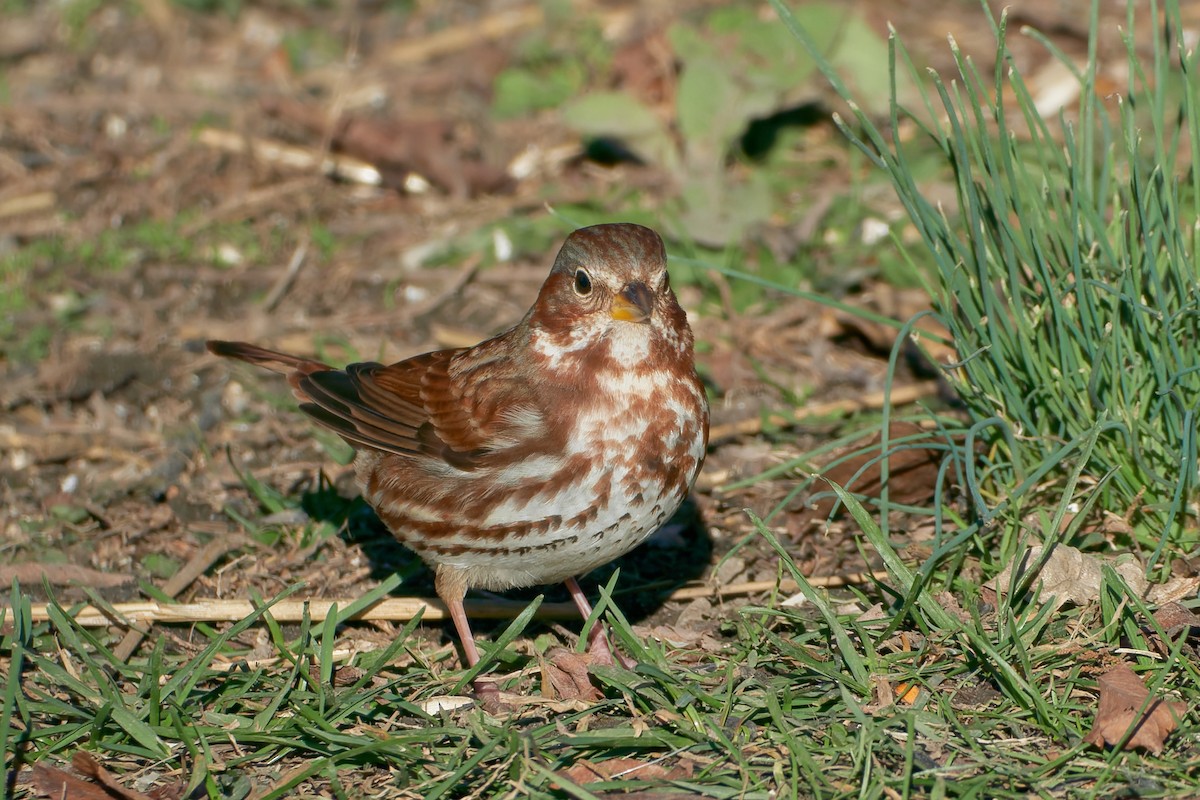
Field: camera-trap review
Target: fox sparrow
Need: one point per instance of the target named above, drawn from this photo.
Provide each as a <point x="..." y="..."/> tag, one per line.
<point x="541" y="453"/>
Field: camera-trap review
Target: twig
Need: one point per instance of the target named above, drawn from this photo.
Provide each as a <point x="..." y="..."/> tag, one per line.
<point x="245" y="204"/>
<point x="501" y="25"/>
<point x="288" y="278"/>
<point x="334" y="165"/>
<point x="223" y="664"/>
<point x="220" y="610"/>
<point x="898" y="396"/>
<point x="27" y="204"/>
<point x="400" y="608"/>
<point x="60" y="574"/>
<point x="465" y="275"/>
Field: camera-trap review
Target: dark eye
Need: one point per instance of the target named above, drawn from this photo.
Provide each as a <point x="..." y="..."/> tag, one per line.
<point x="583" y="284"/>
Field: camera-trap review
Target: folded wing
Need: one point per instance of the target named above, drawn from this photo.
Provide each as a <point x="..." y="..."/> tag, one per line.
<point x="415" y="408"/>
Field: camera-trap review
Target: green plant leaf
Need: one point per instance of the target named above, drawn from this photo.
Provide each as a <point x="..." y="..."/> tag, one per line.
<point x="862" y="58"/>
<point x="707" y="107"/>
<point x="620" y="115"/>
<point x="611" y="113"/>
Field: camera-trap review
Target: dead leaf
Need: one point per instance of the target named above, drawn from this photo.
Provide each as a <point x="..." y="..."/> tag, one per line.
<point x="565" y="676"/>
<point x="429" y="147"/>
<point x="446" y="702"/>
<point x="684" y="638"/>
<point x="54" y="783"/>
<point x="89" y="766"/>
<point x="912" y="472"/>
<point x="50" y="781"/>
<point x="1176" y="622"/>
<point x="346" y="675"/>
<point x="977" y="695"/>
<point x="1173" y="618"/>
<point x="873" y="614"/>
<point x="592" y="771"/>
<point x="1122" y="696"/>
<point x="1176" y="588"/>
<point x="342" y="676"/>
<point x="695" y="615"/>
<point x="880" y="338"/>
<point x="1070" y="576"/>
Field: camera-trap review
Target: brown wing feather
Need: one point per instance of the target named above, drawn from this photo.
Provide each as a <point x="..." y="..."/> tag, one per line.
<point x="411" y="408"/>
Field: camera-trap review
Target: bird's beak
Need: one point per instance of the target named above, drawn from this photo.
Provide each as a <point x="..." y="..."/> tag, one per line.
<point x="634" y="303"/>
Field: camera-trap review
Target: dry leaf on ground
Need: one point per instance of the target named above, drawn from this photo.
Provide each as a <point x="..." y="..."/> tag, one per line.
<point x="1177" y="588"/>
<point x="50" y="781"/>
<point x="1069" y="576"/>
<point x="54" y="783"/>
<point x="565" y="676"/>
<point x="1173" y="618"/>
<point x="592" y="771"/>
<point x="912" y="472"/>
<point x="1122" y="696"/>
<point x="1176" y="622"/>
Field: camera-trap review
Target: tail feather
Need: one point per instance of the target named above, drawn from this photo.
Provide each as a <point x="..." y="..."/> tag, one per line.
<point x="262" y="357"/>
<point x="334" y="398"/>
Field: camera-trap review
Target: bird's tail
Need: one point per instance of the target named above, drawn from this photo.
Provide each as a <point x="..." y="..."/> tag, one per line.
<point x="262" y="357"/>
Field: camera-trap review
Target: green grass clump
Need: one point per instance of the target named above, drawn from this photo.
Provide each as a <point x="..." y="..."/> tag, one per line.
<point x="1067" y="278"/>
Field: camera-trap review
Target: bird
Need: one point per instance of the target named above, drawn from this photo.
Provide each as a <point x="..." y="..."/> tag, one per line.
<point x="541" y="453"/>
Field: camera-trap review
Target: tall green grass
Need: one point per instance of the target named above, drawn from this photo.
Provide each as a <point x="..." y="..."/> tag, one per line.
<point x="1066" y="275"/>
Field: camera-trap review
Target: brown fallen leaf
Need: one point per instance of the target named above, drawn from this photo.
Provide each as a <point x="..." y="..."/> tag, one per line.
<point x="592" y="771"/>
<point x="88" y="765"/>
<point x="54" y="783"/>
<point x="565" y="676"/>
<point x="344" y="675"/>
<point x="1176" y="622"/>
<point x="878" y="337"/>
<point x="429" y="147"/>
<point x="912" y="472"/>
<point x="1177" y="588"/>
<point x="1174" y="618"/>
<point x="50" y="781"/>
<point x="1122" y="696"/>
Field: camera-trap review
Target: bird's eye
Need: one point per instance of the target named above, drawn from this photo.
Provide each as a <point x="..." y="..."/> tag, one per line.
<point x="583" y="284"/>
<point x="666" y="281"/>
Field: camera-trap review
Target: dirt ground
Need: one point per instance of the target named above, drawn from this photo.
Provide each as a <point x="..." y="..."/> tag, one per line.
<point x="147" y="203"/>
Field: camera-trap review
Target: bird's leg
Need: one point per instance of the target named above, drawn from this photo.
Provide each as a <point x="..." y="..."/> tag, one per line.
<point x="452" y="589"/>
<point x="599" y="647"/>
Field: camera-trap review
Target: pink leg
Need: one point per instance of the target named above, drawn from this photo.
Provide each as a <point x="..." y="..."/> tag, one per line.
<point x="452" y="592"/>
<point x="459" y="615"/>
<point x="598" y="645"/>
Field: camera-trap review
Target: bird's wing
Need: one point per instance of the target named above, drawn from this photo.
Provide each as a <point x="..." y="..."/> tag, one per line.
<point x="420" y="407"/>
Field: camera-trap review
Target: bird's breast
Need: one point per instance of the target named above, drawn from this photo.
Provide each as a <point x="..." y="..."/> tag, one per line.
<point x="633" y="447"/>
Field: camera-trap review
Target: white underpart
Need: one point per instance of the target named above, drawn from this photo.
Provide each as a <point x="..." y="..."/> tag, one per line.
<point x="574" y="500"/>
<point x="541" y="468"/>
<point x="629" y="343"/>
